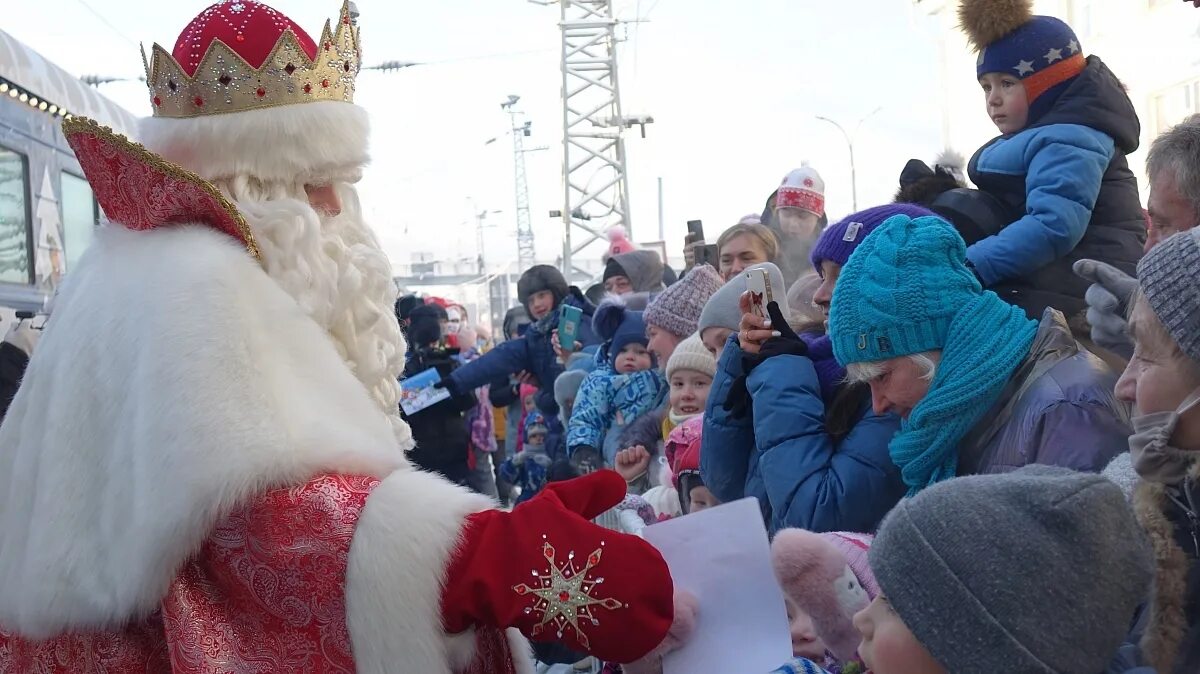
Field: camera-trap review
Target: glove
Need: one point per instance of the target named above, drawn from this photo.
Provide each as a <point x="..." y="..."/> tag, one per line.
<point x="586" y="459"/>
<point x="787" y="343"/>
<point x="1108" y="303"/>
<point x="548" y="571"/>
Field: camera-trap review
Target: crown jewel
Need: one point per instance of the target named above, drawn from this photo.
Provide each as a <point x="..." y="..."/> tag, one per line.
<point x="243" y="55"/>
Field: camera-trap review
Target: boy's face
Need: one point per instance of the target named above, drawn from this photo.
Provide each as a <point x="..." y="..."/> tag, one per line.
<point x="633" y="358"/>
<point x="1006" y="103"/>
<point x="541" y="304"/>
<point x="700" y="498"/>
<point x="888" y="646"/>
<point x="689" y="392"/>
<point x="536" y="439"/>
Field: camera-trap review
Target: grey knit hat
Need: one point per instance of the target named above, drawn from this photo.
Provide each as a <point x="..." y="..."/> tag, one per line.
<point x="566" y="386"/>
<point x="1038" y="570"/>
<point x="722" y="311"/>
<point x="677" y="309"/>
<point x="1169" y="275"/>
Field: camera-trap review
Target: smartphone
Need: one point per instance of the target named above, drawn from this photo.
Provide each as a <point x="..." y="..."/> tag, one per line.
<point x="758" y="282"/>
<point x="708" y="255"/>
<point x="568" y="326"/>
<point x="696" y="229"/>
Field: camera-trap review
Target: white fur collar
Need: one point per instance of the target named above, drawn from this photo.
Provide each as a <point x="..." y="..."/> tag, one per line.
<point x="175" y="380"/>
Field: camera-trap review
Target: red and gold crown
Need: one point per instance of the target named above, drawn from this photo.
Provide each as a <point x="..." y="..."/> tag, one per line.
<point x="240" y="55"/>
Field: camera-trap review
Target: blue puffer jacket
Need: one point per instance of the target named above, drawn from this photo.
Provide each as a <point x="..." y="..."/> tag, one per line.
<point x="532" y="353"/>
<point x="1067" y="181"/>
<point x="1057" y="409"/>
<point x="608" y="402"/>
<point x="784" y="458"/>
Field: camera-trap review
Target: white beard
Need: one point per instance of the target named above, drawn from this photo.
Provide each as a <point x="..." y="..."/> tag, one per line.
<point x="335" y="270"/>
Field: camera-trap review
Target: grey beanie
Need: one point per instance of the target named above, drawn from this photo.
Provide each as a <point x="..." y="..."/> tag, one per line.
<point x="1037" y="570"/>
<point x="1169" y="275"/>
<point x="722" y="311"/>
<point x="566" y="386"/>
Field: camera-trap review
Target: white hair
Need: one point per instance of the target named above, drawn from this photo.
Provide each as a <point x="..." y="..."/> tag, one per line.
<point x="335" y="270"/>
<point x="863" y="373"/>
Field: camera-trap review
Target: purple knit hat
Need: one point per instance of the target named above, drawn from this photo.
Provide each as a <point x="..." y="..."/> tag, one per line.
<point x="839" y="240"/>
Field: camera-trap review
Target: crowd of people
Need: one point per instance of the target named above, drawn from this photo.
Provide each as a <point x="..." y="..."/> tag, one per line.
<point x="993" y="389"/>
<point x="969" y="418"/>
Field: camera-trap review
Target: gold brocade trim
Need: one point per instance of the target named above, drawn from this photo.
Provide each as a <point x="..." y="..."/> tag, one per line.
<point x="82" y="125"/>
<point x="225" y="82"/>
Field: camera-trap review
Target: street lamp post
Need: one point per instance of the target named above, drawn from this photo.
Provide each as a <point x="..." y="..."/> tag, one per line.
<point x="850" y="144"/>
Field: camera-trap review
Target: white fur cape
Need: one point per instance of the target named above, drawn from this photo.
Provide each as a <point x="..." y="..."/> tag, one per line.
<point x="174" y="381"/>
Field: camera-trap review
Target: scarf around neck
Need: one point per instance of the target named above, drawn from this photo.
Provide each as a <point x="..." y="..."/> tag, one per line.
<point x="987" y="340"/>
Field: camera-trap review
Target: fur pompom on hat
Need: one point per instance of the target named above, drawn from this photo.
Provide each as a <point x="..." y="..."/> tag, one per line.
<point x="618" y="242"/>
<point x="618" y="327"/>
<point x="985" y="21"/>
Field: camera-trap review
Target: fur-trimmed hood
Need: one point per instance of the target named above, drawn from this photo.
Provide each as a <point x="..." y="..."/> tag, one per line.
<point x="1169" y="643"/>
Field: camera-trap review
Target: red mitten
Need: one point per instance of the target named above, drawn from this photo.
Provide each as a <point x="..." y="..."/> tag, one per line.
<point x="547" y="570"/>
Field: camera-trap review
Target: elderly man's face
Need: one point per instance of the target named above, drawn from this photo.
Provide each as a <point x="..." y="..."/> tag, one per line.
<point x="324" y="199"/>
<point x="1170" y="211"/>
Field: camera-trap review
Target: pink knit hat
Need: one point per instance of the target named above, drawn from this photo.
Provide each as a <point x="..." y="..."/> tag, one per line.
<point x="619" y="242"/>
<point x="677" y="309"/>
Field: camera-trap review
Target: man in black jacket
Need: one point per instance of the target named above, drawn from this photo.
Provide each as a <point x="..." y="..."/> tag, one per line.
<point x="439" y="430"/>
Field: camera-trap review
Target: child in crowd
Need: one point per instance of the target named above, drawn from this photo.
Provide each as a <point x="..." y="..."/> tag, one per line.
<point x="624" y="387"/>
<point x="1060" y="164"/>
<point x="689" y="375"/>
<point x="683" y="453"/>
<point x="528" y="470"/>
<point x="958" y="598"/>
<point x="543" y="291"/>
<point x="722" y="314"/>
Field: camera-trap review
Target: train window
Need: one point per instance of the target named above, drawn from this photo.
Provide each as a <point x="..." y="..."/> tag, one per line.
<point x="14" y="217"/>
<point x="79" y="216"/>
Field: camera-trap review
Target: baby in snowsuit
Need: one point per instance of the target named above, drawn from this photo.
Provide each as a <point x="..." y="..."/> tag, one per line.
<point x="623" y="387"/>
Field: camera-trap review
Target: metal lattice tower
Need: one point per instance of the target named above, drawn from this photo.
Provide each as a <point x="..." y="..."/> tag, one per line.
<point x="525" y="250"/>
<point x="595" y="184"/>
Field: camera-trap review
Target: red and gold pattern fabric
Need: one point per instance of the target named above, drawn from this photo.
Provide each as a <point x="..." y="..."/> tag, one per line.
<point x="264" y="594"/>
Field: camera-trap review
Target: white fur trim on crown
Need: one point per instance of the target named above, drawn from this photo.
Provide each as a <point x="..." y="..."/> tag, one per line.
<point x="317" y="142"/>
<point x="402" y="545"/>
<point x="176" y="381"/>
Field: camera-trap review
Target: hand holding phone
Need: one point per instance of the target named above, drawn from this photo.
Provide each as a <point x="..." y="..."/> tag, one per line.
<point x="568" y="327"/>
<point x="758" y="283"/>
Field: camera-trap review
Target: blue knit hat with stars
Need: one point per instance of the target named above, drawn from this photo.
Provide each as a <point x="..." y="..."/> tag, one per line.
<point x="900" y="290"/>
<point x="1041" y="51"/>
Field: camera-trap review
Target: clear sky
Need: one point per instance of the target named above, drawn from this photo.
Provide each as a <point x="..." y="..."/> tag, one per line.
<point x="733" y="85"/>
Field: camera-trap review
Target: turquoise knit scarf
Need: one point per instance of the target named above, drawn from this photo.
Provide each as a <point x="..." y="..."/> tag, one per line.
<point x="987" y="340"/>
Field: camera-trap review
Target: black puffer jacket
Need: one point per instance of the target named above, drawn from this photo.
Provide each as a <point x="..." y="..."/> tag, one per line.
<point x="1116" y="230"/>
<point x="440" y="430"/>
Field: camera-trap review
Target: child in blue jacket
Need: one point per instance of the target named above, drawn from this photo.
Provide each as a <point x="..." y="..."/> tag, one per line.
<point x="543" y="291"/>
<point x="1059" y="165"/>
<point x="624" y="387"/>
<point x="528" y="469"/>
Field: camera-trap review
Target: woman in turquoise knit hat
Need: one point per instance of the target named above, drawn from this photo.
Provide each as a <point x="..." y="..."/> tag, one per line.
<point x="980" y="387"/>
